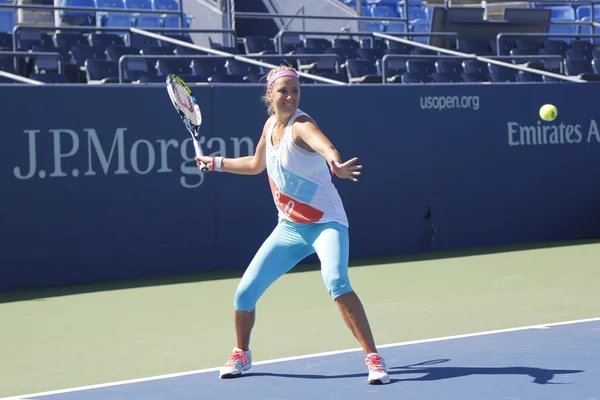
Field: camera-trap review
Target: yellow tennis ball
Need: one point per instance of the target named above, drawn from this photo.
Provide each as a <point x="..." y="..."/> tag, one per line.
<point x="548" y="112"/>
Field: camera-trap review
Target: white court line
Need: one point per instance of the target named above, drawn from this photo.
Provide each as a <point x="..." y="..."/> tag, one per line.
<point x="200" y="371"/>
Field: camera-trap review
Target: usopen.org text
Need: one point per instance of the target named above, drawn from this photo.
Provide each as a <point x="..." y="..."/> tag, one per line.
<point x="449" y="102"/>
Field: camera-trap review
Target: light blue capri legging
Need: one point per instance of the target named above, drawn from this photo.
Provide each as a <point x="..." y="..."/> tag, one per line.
<point x="287" y="245"/>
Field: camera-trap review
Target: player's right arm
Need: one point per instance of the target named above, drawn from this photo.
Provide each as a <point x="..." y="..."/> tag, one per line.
<point x="249" y="165"/>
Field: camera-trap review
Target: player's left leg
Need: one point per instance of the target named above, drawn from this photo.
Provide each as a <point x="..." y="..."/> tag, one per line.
<point x="331" y="244"/>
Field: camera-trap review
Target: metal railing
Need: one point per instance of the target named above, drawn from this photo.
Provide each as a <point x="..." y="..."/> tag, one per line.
<point x="385" y="60"/>
<point x="94" y="10"/>
<point x="235" y="56"/>
<point x="126" y="57"/>
<point x="501" y="36"/>
<point x="480" y="58"/>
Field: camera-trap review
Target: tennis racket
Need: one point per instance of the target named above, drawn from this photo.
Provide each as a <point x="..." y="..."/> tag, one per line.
<point x="189" y="111"/>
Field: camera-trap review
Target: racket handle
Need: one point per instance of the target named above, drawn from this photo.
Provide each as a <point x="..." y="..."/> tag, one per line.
<point x="199" y="153"/>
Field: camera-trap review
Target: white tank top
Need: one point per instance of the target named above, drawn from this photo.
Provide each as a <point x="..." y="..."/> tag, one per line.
<point x="301" y="181"/>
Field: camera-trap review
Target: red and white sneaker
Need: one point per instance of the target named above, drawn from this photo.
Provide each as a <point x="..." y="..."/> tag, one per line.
<point x="377" y="372"/>
<point x="239" y="362"/>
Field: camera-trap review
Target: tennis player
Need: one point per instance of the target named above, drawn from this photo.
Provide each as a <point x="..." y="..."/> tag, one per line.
<point x="300" y="163"/>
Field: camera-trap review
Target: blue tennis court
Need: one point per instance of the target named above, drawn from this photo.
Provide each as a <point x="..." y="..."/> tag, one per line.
<point x="554" y="361"/>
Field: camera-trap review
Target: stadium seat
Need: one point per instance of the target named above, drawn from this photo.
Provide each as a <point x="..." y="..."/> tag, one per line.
<point x="111" y="19"/>
<point x="362" y="71"/>
<point x="369" y="54"/>
<point x="584" y="45"/>
<point x="421" y="26"/>
<point x="422" y="66"/>
<point x="174" y="66"/>
<point x="250" y="72"/>
<point x="562" y="13"/>
<point x="76" y="17"/>
<point x="528" y="44"/>
<point x="596" y="66"/>
<point x="506" y="45"/>
<point x="136" y="69"/>
<point x="115" y="52"/>
<point x="69" y="39"/>
<point x="156" y="51"/>
<point x="578" y="54"/>
<point x="474" y="46"/>
<point x="474" y="71"/>
<point x="448" y="67"/>
<point x="259" y="45"/>
<point x="137" y="4"/>
<point x="313" y="65"/>
<point x="103" y="40"/>
<point x="500" y="73"/>
<point x="6" y="42"/>
<point x="343" y="53"/>
<point x="7" y="64"/>
<point x="317" y="43"/>
<point x="79" y="54"/>
<point x="554" y="46"/>
<point x="394" y="68"/>
<point x="345" y="43"/>
<point x="140" y="41"/>
<point x="584" y="11"/>
<point x="416" y="77"/>
<point x="574" y="67"/>
<point x="397" y="47"/>
<point x="7" y="20"/>
<point x="209" y="66"/>
<point x="148" y="21"/>
<point x="563" y="29"/>
<point x="168" y="5"/>
<point x="99" y="71"/>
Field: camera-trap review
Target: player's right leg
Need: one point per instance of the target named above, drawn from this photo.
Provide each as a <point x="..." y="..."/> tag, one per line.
<point x="282" y="250"/>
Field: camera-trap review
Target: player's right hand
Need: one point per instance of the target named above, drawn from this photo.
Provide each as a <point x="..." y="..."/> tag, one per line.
<point x="206" y="160"/>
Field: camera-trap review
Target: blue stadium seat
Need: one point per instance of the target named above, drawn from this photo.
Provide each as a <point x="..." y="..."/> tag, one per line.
<point x="288" y="43"/>
<point x="345" y="43"/>
<point x="235" y="67"/>
<point x="574" y="67"/>
<point x="108" y="19"/>
<point x="369" y="54"/>
<point x="416" y="77"/>
<point x="168" y="5"/>
<point x="136" y="69"/>
<point x="421" y="26"/>
<point x="562" y="13"/>
<point x="7" y="64"/>
<point x="474" y="71"/>
<point x="115" y="52"/>
<point x="140" y="41"/>
<point x="448" y="67"/>
<point x="556" y="46"/>
<point x="313" y="65"/>
<point x="396" y="27"/>
<point x="584" y="45"/>
<point x="209" y="66"/>
<point x="596" y="66"/>
<point x="362" y="71"/>
<point x="6" y="42"/>
<point x="447" y="77"/>
<point x="80" y="54"/>
<point x="414" y="13"/>
<point x="423" y="66"/>
<point x="474" y="46"/>
<point x="317" y="43"/>
<point x="174" y="66"/>
<point x="69" y="39"/>
<point x="148" y="21"/>
<point x="579" y="54"/>
<point x="587" y="30"/>
<point x="343" y="53"/>
<point x="528" y="44"/>
<point x="500" y="73"/>
<point x="259" y="45"/>
<point x="77" y="17"/>
<point x="7" y="20"/>
<point x="103" y="40"/>
<point x="101" y="71"/>
<point x="585" y="11"/>
<point x="563" y="28"/>
<point x="137" y="4"/>
<point x="397" y="47"/>
<point x="394" y="69"/>
<point x="338" y="76"/>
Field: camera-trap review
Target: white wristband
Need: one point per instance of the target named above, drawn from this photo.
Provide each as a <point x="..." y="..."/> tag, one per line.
<point x="218" y="165"/>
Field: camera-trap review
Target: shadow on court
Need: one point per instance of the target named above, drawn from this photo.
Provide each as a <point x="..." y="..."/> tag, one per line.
<point x="540" y="376"/>
<point x="309" y="264"/>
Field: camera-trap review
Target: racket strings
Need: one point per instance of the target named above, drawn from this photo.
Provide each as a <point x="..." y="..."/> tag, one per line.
<point x="184" y="102"/>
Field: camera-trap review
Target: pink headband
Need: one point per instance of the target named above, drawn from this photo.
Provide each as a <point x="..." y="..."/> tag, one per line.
<point x="281" y="74"/>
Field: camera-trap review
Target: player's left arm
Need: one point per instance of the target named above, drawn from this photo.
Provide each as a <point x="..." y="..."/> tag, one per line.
<point x="309" y="133"/>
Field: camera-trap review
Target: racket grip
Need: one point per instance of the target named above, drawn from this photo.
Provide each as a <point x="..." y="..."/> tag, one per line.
<point x="199" y="153"/>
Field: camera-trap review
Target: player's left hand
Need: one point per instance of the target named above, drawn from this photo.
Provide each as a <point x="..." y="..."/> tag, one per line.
<point x="346" y="170"/>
